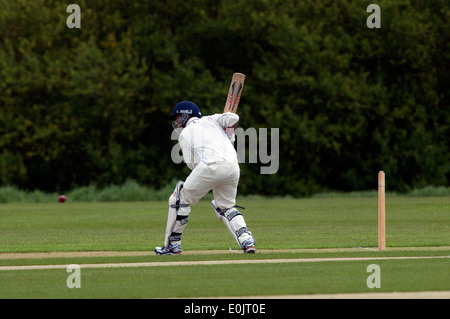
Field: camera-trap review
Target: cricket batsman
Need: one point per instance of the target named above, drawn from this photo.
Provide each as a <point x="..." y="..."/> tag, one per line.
<point x="207" y="147"/>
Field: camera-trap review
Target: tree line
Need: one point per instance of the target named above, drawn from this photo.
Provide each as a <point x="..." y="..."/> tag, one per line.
<point x="89" y="106"/>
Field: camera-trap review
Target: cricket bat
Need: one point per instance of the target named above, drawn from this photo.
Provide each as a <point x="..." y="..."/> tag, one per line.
<point x="234" y="93"/>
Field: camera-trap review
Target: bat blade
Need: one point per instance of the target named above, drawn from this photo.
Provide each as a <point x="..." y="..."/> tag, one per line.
<point x="234" y="93"/>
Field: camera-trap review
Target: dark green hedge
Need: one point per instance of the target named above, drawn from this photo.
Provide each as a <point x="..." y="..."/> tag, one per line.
<point x="90" y="105"/>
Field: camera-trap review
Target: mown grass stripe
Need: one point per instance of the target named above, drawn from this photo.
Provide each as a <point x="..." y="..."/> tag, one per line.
<point x="215" y="262"/>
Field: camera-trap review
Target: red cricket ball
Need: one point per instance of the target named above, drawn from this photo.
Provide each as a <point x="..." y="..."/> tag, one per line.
<point x="62" y="198"/>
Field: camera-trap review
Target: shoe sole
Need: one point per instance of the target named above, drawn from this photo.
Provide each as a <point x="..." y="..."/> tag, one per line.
<point x="168" y="253"/>
<point x="250" y="250"/>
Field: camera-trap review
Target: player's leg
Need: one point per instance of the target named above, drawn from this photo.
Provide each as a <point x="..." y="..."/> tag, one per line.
<point x="186" y="193"/>
<point x="224" y="205"/>
<point x="177" y="219"/>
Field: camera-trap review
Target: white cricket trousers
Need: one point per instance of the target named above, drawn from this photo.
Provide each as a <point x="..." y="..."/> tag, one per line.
<point x="220" y="177"/>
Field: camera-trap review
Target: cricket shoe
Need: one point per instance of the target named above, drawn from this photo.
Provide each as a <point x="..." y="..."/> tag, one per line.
<point x="249" y="246"/>
<point x="170" y="250"/>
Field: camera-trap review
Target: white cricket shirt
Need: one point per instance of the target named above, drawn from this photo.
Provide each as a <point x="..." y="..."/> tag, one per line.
<point x="204" y="139"/>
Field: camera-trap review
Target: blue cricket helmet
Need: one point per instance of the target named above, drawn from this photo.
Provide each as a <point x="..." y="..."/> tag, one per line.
<point x="185" y="107"/>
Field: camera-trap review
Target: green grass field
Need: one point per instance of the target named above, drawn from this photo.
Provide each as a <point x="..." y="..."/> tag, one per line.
<point x="315" y="228"/>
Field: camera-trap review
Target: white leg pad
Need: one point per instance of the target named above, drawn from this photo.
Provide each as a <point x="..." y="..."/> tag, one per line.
<point x="235" y="223"/>
<point x="177" y="217"/>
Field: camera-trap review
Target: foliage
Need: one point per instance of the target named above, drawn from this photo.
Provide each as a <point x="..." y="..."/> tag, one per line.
<point x="131" y="191"/>
<point x="89" y="106"/>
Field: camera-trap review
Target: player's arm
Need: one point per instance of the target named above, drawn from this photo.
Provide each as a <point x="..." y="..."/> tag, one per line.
<point x="188" y="153"/>
<point x="229" y="122"/>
